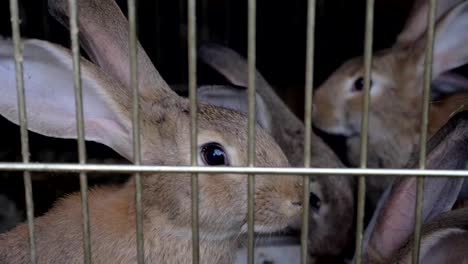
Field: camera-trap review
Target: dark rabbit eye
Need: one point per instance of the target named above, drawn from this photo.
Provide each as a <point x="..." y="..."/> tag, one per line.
<point x="213" y="154"/>
<point x="314" y="202"/>
<point x="359" y="84"/>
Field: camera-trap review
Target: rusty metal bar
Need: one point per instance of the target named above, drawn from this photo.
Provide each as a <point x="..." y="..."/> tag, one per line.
<point x="309" y="82"/>
<point x="18" y="46"/>
<point x="80" y="127"/>
<point x="424" y="123"/>
<point x="136" y="128"/>
<point x="364" y="126"/>
<point x="192" y="58"/>
<point x="252" y="6"/>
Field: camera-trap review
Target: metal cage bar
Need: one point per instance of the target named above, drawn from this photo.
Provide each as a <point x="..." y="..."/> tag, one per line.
<point x="252" y="17"/>
<point x="136" y="127"/>
<point x="424" y="125"/>
<point x="22" y="117"/>
<point x="309" y="82"/>
<point x="137" y="168"/>
<point x="192" y="58"/>
<point x="271" y="171"/>
<point x="80" y="127"/>
<point x="364" y="126"/>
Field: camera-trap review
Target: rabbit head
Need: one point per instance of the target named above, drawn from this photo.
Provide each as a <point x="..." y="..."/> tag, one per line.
<point x="395" y="92"/>
<point x="393" y="221"/>
<point x="165" y="129"/>
<point x="220" y="130"/>
<point x="331" y="199"/>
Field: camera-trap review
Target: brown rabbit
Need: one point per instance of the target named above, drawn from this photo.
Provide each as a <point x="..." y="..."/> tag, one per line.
<point x="332" y="198"/>
<point x="332" y="201"/>
<point x="396" y="91"/>
<point x="388" y="238"/>
<point x="165" y="141"/>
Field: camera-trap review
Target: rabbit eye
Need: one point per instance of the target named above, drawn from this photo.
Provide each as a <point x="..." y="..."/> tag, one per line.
<point x="359" y="85"/>
<point x="213" y="154"/>
<point x="314" y="202"/>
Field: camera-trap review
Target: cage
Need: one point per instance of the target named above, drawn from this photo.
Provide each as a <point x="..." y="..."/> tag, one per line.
<point x="295" y="45"/>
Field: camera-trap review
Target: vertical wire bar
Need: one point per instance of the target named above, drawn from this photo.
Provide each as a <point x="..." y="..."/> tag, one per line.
<point x="424" y="124"/>
<point x="192" y="58"/>
<point x="252" y="5"/>
<point x="309" y="81"/>
<point x="364" y="125"/>
<point x="80" y="127"/>
<point x="136" y="127"/>
<point x="23" y="124"/>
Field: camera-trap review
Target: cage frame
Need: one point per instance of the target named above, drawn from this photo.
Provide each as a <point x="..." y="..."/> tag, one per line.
<point x="137" y="168"/>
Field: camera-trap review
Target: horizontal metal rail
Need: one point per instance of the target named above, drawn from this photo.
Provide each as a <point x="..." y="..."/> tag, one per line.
<point x="116" y="168"/>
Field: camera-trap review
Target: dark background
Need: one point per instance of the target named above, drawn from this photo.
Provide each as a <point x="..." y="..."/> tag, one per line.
<point x="281" y="35"/>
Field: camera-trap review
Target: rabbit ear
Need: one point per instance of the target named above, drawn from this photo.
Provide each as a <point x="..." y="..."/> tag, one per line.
<point x="416" y="24"/>
<point x="50" y="96"/>
<point x="104" y="34"/>
<point x="229" y="63"/>
<point x="443" y="240"/>
<point x="235" y="98"/>
<point x="448" y="83"/>
<point x="444" y="246"/>
<point x="450" y="49"/>
<point x="394" y="220"/>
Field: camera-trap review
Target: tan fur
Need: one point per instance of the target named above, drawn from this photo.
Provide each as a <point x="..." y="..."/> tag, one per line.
<point x="104" y="34"/>
<point x="395" y="108"/>
<point x="331" y="226"/>
<point x="395" y="104"/>
<point x="166" y="198"/>
<point x="165" y="140"/>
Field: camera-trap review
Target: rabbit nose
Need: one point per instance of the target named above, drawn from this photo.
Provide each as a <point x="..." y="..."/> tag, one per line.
<point x="298" y="204"/>
<point x="314" y="202"/>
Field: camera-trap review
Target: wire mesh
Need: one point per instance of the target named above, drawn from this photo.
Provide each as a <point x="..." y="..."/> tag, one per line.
<point x="424" y="125"/>
<point x="252" y="9"/>
<point x="269" y="171"/>
<point x="137" y="169"/>
<point x="309" y="81"/>
<point x="364" y="127"/>
<point x="80" y="127"/>
<point x="136" y="128"/>
<point x="18" y="50"/>
<point x="192" y="35"/>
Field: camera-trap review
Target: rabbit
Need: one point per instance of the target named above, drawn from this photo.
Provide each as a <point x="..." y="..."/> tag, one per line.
<point x="395" y="92"/>
<point x="332" y="200"/>
<point x="395" y="71"/>
<point x="165" y="141"/>
<point x="388" y="239"/>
